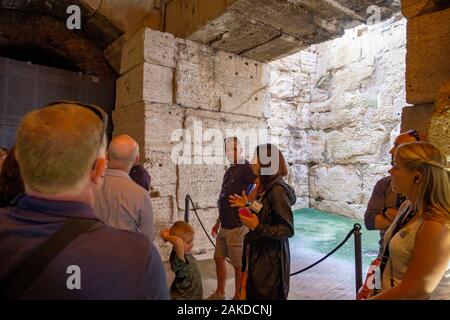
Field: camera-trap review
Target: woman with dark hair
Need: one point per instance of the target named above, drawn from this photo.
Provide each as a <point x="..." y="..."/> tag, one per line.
<point x="271" y="223"/>
<point x="11" y="183"/>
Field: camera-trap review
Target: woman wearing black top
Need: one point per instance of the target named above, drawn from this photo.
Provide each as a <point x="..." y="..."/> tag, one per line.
<point x="267" y="241"/>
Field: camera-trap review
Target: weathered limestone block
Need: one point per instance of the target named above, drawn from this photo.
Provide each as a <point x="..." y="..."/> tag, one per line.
<point x="201" y="242"/>
<point x="389" y="35"/>
<point x="283" y="114"/>
<point x="339" y="183"/>
<point x="241" y="84"/>
<point x="164" y="210"/>
<point x="297" y="146"/>
<point x="299" y="179"/>
<point x="417" y="117"/>
<point x="428" y="56"/>
<point x="233" y="33"/>
<point x="439" y="132"/>
<point x="442" y="101"/>
<point x="208" y="129"/>
<point x="347" y="109"/>
<point x="129" y="121"/>
<point x="282" y="85"/>
<point x="278" y="47"/>
<point x="391" y="98"/>
<point x="300" y="23"/>
<point x="160" y="167"/>
<point x="146" y="82"/>
<point x="162" y="121"/>
<point x="340" y="54"/>
<point x="157" y="190"/>
<point x="361" y="144"/>
<point x="357" y="76"/>
<point x="336" y="189"/>
<point x="150" y="46"/>
<point x="317" y="147"/>
<point x="194" y="76"/>
<point x="353" y="210"/>
<point x="291" y="63"/>
<point x="150" y="124"/>
<point x="202" y="182"/>
<point x="303" y="116"/>
<point x="308" y="60"/>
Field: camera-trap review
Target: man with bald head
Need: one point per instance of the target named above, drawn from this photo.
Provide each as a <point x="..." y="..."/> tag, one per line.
<point x="121" y="203"/>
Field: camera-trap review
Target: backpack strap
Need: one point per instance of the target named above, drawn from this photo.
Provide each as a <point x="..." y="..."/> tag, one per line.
<point x="20" y="279"/>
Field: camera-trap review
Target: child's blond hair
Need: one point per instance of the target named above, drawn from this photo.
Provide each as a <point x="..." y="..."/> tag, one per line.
<point x="182" y="230"/>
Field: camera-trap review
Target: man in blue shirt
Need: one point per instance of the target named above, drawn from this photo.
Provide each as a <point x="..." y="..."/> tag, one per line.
<point x="229" y="229"/>
<point x="61" y="153"/>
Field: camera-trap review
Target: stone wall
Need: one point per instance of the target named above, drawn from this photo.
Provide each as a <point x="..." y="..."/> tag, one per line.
<point x="336" y="109"/>
<point x="172" y="89"/>
<point x="428" y="69"/>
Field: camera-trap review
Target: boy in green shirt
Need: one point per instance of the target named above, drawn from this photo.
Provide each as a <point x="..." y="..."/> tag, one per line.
<point x="187" y="284"/>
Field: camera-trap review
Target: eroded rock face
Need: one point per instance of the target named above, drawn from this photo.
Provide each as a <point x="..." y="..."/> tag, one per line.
<point x="336" y="110"/>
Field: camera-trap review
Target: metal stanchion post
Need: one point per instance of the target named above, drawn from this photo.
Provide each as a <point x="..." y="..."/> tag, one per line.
<point x="186" y="209"/>
<point x="358" y="256"/>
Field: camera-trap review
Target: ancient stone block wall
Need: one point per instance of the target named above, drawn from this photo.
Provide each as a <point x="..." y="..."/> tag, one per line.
<point x="428" y="69"/>
<point x="337" y="108"/>
<point x="168" y="85"/>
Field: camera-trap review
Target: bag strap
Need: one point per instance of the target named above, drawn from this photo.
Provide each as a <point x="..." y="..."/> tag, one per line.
<point x="20" y="279"/>
<point x="400" y="223"/>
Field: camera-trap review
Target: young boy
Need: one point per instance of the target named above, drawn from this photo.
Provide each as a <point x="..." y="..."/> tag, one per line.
<point x="187" y="284"/>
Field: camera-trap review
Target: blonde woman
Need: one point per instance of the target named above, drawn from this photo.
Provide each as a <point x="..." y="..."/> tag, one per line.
<point x="417" y="245"/>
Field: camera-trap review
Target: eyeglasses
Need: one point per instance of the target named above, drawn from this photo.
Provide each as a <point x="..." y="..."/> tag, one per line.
<point x="98" y="112"/>
<point x="414" y="133"/>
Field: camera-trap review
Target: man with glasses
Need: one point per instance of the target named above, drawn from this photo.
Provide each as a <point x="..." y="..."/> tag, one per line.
<point x="384" y="203"/>
<point x="51" y="244"/>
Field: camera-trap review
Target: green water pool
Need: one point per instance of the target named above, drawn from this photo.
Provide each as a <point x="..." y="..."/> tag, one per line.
<point x="322" y="232"/>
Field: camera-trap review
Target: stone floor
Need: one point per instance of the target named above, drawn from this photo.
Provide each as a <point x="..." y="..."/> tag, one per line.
<point x="332" y="279"/>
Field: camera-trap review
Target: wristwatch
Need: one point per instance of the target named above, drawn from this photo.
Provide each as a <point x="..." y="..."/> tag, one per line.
<point x="248" y="204"/>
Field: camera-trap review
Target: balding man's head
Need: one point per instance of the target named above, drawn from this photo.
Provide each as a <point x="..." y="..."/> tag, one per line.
<point x="123" y="152"/>
<point x="405" y="137"/>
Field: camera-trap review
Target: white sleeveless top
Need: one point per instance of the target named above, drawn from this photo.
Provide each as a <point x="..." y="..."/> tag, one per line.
<point x="401" y="248"/>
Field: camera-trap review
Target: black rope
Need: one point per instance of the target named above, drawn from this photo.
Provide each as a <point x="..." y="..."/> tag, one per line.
<point x="199" y="220"/>
<point x="355" y="228"/>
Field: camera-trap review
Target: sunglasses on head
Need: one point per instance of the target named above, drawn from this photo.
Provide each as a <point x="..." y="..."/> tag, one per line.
<point x="414" y="133"/>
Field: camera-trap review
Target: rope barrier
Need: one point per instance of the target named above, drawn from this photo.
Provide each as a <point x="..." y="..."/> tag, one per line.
<point x="356" y="228"/>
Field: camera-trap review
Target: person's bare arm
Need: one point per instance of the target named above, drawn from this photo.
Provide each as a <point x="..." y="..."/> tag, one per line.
<point x="383" y="223"/>
<point x="177" y="243"/>
<point x="428" y="264"/>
